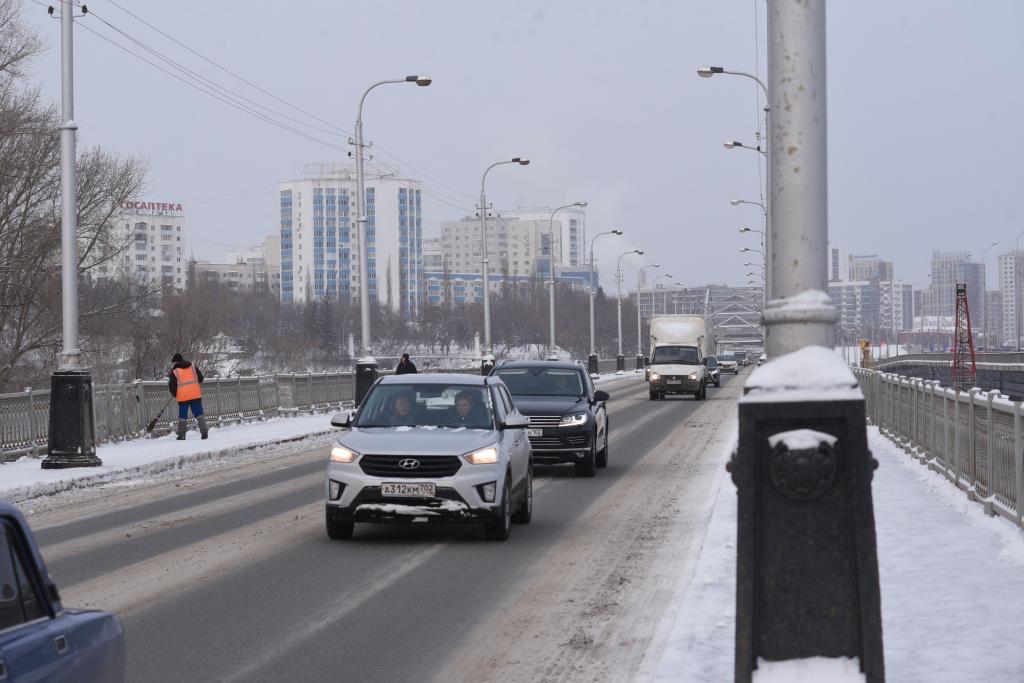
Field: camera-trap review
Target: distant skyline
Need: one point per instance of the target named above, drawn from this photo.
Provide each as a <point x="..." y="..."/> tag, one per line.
<point x="604" y="99"/>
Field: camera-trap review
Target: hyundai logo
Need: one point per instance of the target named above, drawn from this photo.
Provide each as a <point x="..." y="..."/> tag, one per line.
<point x="408" y="464"/>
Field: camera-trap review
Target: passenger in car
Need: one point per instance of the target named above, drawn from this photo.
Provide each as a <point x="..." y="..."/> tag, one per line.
<point x="468" y="409"/>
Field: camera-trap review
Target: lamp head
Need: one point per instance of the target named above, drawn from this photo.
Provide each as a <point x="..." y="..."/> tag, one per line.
<point x="735" y="202"/>
<point x="638" y="251"/>
<point x="579" y="203"/>
<point x="419" y="80"/>
<point x="709" y="71"/>
<point x="729" y="144"/>
<point x="521" y="161"/>
<point x="744" y="229"/>
<point x="616" y="232"/>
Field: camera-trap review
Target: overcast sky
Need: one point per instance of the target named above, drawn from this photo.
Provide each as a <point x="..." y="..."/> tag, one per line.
<point x="925" y="108"/>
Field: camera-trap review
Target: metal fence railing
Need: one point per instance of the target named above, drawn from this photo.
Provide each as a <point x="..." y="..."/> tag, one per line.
<point x="974" y="438"/>
<point x="122" y="411"/>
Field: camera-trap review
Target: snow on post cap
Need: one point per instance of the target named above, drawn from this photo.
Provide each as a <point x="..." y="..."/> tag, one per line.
<point x="366" y="360"/>
<point x="813" y="373"/>
<point x="809" y="670"/>
<point x="801" y="439"/>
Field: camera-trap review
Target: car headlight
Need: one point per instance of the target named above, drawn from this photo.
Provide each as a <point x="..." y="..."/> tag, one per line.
<point x="693" y="375"/>
<point x="484" y="456"/>
<point x="574" y="420"/>
<point x="342" y="454"/>
<point x="655" y="376"/>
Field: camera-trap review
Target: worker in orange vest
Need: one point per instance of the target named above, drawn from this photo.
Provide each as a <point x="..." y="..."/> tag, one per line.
<point x="184" y="385"/>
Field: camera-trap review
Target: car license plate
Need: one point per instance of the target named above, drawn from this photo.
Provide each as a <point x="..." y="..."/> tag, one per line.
<point x="418" y="490"/>
<point x="534" y="432"/>
<point x="675" y="381"/>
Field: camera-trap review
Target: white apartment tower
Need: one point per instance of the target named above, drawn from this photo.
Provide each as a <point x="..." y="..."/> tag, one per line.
<point x="570" y="232"/>
<point x="155" y="246"/>
<point x="320" y="244"/>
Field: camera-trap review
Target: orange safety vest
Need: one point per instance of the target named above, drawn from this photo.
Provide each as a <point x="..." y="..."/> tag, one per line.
<point x="188" y="384"/>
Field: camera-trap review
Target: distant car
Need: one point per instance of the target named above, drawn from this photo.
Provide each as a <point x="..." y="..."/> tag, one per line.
<point x="728" y="363"/>
<point x="742" y="358"/>
<point x="762" y="359"/>
<point x="568" y="417"/>
<point x="431" y="448"/>
<point x="40" y="640"/>
<point x="714" y="371"/>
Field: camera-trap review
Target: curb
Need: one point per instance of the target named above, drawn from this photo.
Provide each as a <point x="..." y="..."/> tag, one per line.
<point x="23" y="493"/>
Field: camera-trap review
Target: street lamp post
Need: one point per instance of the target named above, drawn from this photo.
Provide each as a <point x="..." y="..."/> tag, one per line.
<point x="639" y="336"/>
<point x="488" y="361"/>
<point x="71" y="438"/>
<point x="551" y="273"/>
<point x="984" y="297"/>
<point x="366" y="365"/>
<point x="620" y="360"/>
<point x="592" y="358"/>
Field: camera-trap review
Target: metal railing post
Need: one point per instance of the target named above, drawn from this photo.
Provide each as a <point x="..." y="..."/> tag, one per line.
<point x="1018" y="464"/>
<point x="990" y="487"/>
<point x="972" y="450"/>
<point x="32" y="422"/>
<point x="956" y="435"/>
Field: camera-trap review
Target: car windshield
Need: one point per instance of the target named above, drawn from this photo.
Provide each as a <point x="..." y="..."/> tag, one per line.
<point x="540" y="381"/>
<point x="712" y="362"/>
<point x="426" y="405"/>
<point x="682" y="355"/>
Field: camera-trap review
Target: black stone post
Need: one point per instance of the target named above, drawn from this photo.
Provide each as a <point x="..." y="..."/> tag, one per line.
<point x="366" y="375"/>
<point x="592" y="366"/>
<point x="639" y="362"/>
<point x="620" y="363"/>
<point x="807" y="570"/>
<point x="486" y="365"/>
<point x="71" y="438"/>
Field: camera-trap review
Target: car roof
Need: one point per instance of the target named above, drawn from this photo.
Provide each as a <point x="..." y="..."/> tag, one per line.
<point x="436" y="378"/>
<point x="560" y="364"/>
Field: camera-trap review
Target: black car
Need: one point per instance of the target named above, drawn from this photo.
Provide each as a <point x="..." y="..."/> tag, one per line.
<point x="568" y="417"/>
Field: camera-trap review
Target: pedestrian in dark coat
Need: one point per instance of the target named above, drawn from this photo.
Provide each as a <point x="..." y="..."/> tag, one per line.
<point x="184" y="383"/>
<point x="405" y="366"/>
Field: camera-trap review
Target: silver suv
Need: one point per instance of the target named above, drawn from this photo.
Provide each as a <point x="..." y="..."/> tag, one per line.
<point x="431" y="448"/>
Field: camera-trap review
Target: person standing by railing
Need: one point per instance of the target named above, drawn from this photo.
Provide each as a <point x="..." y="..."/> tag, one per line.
<point x="184" y="383"/>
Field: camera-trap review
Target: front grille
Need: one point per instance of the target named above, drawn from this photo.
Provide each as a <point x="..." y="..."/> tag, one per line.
<point x="430" y="466"/>
<point x="545" y="420"/>
<point x="574" y="441"/>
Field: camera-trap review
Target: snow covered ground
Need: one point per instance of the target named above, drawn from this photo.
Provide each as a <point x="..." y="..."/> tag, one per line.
<point x="24" y="478"/>
<point x="952" y="584"/>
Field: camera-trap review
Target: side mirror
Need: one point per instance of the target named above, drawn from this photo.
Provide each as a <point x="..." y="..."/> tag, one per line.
<point x="601" y="396"/>
<point x="516" y="421"/>
<point x="342" y="419"/>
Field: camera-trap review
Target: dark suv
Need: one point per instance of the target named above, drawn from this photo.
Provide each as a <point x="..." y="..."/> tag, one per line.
<point x="568" y="417"/>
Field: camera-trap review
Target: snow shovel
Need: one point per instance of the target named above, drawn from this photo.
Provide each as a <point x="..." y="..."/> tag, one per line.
<point x="152" y="423"/>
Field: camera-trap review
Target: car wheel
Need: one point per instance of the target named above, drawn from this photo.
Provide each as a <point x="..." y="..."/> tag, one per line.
<point x="501" y="528"/>
<point x="525" y="512"/>
<point x="588" y="466"/>
<point x="602" y="456"/>
<point x="338" y="530"/>
<point x="718" y="383"/>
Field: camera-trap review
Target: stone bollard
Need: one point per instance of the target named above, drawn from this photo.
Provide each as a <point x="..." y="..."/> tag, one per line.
<point x="366" y="375"/>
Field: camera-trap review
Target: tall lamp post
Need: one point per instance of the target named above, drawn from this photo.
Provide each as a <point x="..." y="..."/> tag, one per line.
<point x="984" y="296"/>
<point x="366" y="366"/>
<point x="488" y="361"/>
<point x="71" y="438"/>
<point x="620" y="360"/>
<point x="592" y="358"/>
<point x="551" y="272"/>
<point x="639" y="348"/>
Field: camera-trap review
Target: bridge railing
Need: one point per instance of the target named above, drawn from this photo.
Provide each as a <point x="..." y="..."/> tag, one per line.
<point x="974" y="438"/>
<point x="122" y="411"/>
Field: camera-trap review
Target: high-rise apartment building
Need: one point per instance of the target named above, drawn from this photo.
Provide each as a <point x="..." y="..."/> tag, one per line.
<point x="515" y="248"/>
<point x="1011" y="285"/>
<point x="320" y="241"/>
<point x="569" y="228"/>
<point x="949" y="268"/>
<point x="870" y="267"/>
<point x="838" y="264"/>
<point x="896" y="305"/>
<point x="991" y="325"/>
<point x="155" y="248"/>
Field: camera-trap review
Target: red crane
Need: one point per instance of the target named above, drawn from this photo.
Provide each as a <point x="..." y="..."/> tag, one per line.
<point x="964" y="370"/>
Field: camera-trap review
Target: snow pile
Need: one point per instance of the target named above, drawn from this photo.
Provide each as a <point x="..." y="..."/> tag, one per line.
<point x="811" y="670"/>
<point x="813" y="373"/>
<point x="25" y="479"/>
<point x="950" y="576"/>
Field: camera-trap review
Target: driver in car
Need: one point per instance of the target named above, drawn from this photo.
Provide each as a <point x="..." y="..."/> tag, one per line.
<point x="402" y="413"/>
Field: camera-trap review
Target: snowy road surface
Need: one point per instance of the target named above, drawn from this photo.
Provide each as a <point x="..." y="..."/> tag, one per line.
<point x="228" y="574"/>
